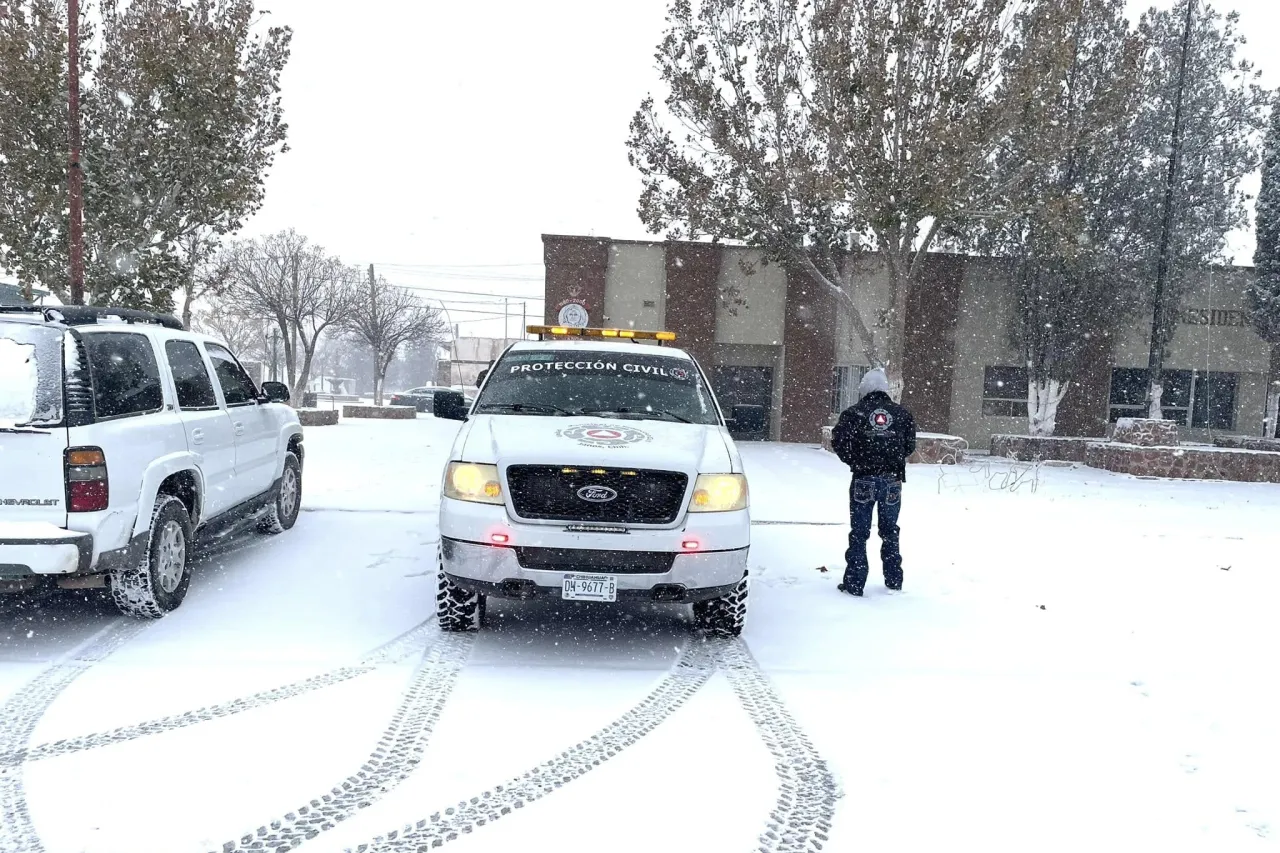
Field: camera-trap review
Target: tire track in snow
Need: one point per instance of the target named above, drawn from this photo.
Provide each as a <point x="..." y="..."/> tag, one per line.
<point x="412" y="642"/>
<point x="22" y="712"/>
<point x="396" y="756"/>
<point x="801" y="819"/>
<point x="799" y="823"/>
<point x="693" y="668"/>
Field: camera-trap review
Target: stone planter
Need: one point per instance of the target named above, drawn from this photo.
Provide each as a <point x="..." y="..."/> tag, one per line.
<point x="1245" y="442"/>
<point x="931" y="448"/>
<point x="1027" y="448"/>
<point x="317" y="417"/>
<point x="1145" y="432"/>
<point x="1186" y="463"/>
<point x="382" y="413"/>
<point x="934" y="449"/>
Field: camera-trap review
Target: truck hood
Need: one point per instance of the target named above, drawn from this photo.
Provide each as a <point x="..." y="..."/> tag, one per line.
<point x="534" y="440"/>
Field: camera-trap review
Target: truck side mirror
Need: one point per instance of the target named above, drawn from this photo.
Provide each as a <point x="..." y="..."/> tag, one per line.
<point x="276" y="392"/>
<point x="449" y="405"/>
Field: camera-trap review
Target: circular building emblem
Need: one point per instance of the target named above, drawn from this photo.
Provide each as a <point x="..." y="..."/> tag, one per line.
<point x="601" y="435"/>
<point x="574" y="315"/>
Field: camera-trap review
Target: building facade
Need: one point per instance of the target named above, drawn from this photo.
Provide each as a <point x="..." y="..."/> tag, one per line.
<point x="777" y="340"/>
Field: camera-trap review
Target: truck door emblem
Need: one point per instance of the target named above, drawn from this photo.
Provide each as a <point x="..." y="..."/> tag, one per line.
<point x="597" y="494"/>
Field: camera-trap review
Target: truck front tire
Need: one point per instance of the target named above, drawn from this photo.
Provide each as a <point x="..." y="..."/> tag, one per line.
<point x="456" y="608"/>
<point x="725" y="616"/>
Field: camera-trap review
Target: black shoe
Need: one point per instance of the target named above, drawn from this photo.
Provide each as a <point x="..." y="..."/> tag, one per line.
<point x="896" y="587"/>
<point x="849" y="590"/>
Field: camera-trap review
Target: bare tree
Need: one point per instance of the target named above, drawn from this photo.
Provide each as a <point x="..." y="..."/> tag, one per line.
<point x="246" y="334"/>
<point x="817" y="130"/>
<point x="207" y="274"/>
<point x="386" y="318"/>
<point x="295" y="285"/>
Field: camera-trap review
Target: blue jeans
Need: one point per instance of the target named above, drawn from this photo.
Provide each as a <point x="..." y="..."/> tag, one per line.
<point x="866" y="494"/>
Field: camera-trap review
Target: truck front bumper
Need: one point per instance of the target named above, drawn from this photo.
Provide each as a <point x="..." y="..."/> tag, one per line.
<point x="495" y="570"/>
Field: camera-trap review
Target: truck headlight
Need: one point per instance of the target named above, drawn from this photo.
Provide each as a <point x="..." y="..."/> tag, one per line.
<point x="467" y="481"/>
<point x="719" y="493"/>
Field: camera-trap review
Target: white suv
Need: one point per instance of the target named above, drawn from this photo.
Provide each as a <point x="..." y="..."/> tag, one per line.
<point x="121" y="436"/>
<point x="595" y="468"/>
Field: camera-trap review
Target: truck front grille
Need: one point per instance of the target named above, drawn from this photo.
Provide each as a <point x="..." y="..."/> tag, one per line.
<point x="556" y="493"/>
<point x="587" y="561"/>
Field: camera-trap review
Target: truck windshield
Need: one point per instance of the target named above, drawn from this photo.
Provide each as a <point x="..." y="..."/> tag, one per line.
<point x="613" y="384"/>
<point x="30" y="375"/>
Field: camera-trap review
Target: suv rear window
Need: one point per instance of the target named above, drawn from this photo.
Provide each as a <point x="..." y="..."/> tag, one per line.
<point x="126" y="378"/>
<point x="30" y="375"/>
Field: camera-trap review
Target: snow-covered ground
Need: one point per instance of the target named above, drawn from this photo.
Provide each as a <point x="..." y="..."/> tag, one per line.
<point x="1080" y="661"/>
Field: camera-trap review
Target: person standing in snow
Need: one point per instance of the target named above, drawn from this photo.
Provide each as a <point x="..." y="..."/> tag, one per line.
<point x="874" y="438"/>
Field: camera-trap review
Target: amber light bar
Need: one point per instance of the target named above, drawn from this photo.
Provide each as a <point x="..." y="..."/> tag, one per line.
<point x="630" y="334"/>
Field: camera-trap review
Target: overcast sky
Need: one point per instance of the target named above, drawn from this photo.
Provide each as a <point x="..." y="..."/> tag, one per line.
<point x="440" y="140"/>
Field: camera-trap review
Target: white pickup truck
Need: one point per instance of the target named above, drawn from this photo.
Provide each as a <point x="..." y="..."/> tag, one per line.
<point x="593" y="466"/>
<point x="122" y="435"/>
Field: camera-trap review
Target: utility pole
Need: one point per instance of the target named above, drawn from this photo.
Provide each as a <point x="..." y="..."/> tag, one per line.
<point x="375" y="327"/>
<point x="1155" y="362"/>
<point x="75" y="175"/>
<point x="524" y="320"/>
<point x="275" y="355"/>
<point x="506" y="315"/>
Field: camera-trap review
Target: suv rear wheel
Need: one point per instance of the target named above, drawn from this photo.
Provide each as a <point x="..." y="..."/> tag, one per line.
<point x="159" y="582"/>
<point x="725" y="616"/>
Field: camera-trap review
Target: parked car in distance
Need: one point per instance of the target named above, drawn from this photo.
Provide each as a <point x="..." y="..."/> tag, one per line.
<point x="122" y="437"/>
<point x="420" y="398"/>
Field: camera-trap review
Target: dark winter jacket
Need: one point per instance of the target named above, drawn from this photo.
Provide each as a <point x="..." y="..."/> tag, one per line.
<point x="875" y="437"/>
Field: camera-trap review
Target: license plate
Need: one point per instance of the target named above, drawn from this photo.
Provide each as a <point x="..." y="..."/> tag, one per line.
<point x="590" y="588"/>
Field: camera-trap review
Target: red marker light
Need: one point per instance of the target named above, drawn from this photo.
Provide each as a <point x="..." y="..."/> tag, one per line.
<point x="500" y="538"/>
<point x="690" y="545"/>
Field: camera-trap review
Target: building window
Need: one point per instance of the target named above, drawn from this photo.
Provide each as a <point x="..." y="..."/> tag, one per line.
<point x="1214" y="404"/>
<point x="1201" y="400"/>
<point x="1004" y="392"/>
<point x="844" y="386"/>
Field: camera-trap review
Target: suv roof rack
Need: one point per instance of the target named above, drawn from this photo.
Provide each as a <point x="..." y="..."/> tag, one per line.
<point x="85" y="315"/>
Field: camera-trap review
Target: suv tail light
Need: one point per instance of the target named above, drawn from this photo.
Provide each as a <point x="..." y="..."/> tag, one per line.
<point x="87" y="480"/>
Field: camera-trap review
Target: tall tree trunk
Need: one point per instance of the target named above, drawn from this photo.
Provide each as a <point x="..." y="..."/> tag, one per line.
<point x="304" y="378"/>
<point x="1043" y="398"/>
<point x="896" y="347"/>
<point x="1270" y="428"/>
<point x="377" y="378"/>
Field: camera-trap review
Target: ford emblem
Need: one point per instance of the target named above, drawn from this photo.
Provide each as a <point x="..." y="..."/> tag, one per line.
<point x="597" y="494"/>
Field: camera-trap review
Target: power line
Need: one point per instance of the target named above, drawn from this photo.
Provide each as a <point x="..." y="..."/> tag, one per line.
<point x="469" y="276"/>
<point x="458" y="266"/>
<point x="425" y="289"/>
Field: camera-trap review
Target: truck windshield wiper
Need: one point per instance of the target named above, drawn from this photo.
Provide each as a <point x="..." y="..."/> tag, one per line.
<point x="637" y="413"/>
<point x="545" y="408"/>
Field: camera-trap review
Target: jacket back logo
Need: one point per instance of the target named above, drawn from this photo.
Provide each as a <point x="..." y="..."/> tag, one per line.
<point x="881" y="420"/>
